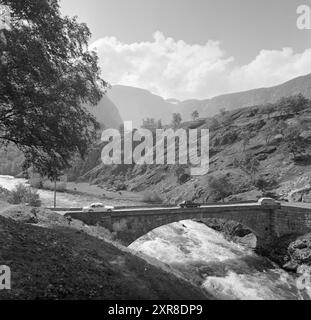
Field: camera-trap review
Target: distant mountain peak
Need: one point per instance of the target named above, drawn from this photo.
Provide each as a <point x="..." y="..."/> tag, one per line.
<point x="173" y="101"/>
<point x="106" y="113"/>
<point x="137" y="104"/>
<point x="232" y="101"/>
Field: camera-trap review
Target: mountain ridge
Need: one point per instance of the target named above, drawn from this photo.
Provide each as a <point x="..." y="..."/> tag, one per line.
<point x="106" y="113"/>
<point x="249" y="98"/>
<point x="137" y="104"/>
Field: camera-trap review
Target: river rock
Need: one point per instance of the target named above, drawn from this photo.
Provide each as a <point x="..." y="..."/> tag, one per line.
<point x="304" y="269"/>
<point x="291" y="266"/>
<point x="296" y="197"/>
<point x="306" y="198"/>
<point x="300" y="250"/>
<point x="301" y="195"/>
<point x="276" y="139"/>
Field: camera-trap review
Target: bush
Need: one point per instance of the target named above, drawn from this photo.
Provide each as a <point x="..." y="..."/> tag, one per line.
<point x="248" y="164"/>
<point x="184" y="178"/>
<point x="182" y="175"/>
<point x="23" y="194"/>
<point x="120" y="186"/>
<point x="4" y="193"/>
<point x="270" y="194"/>
<point x="229" y="137"/>
<point x="222" y="111"/>
<point x="35" y="182"/>
<point x="264" y="185"/>
<point x="152" y="197"/>
<point x="295" y="104"/>
<point x="50" y="185"/>
<point x="220" y="187"/>
<point x="214" y="124"/>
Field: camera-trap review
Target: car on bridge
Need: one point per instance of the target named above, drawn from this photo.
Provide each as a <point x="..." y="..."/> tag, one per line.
<point x="98" y="207"/>
<point x="189" y="204"/>
<point x="268" y="202"/>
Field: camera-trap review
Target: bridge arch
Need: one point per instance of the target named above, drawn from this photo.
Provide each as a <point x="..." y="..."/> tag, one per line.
<point x="128" y="227"/>
<point x="213" y="224"/>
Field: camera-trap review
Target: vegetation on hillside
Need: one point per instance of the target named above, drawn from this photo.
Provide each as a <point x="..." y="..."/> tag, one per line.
<point x="258" y="149"/>
<point x="21" y="194"/>
<point x="220" y="187"/>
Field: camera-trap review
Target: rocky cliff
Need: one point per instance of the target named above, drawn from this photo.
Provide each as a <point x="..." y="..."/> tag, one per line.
<point x="259" y="150"/>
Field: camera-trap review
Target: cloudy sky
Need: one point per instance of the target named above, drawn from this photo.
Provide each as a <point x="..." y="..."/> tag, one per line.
<point x="196" y="48"/>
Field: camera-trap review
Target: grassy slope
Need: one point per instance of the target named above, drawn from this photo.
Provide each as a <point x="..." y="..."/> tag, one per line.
<point x="62" y="262"/>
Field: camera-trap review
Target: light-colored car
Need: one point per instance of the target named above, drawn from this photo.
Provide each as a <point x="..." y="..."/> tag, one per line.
<point x="268" y="202"/>
<point x="98" y="207"/>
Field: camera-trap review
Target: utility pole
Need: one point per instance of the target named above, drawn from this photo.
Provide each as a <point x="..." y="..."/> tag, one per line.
<point x="55" y="185"/>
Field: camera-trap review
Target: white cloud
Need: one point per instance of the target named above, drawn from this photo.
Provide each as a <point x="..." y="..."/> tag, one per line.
<point x="176" y="69"/>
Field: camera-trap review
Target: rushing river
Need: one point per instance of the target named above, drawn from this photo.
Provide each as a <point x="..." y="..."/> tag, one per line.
<point x="223" y="268"/>
<point x="202" y="255"/>
<point x="64" y="199"/>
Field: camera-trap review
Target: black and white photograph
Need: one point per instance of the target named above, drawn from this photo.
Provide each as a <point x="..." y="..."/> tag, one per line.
<point x="155" y="150"/>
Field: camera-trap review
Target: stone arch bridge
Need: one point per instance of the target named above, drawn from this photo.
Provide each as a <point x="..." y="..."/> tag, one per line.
<point x="267" y="222"/>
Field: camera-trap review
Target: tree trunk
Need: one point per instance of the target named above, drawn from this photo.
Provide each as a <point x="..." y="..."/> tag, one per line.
<point x="54" y="193"/>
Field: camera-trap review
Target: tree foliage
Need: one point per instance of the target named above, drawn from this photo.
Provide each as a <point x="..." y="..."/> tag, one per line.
<point x="295" y="142"/>
<point x="265" y="185"/>
<point x="248" y="164"/>
<point x="182" y="174"/>
<point x="22" y="194"/>
<point x="245" y="137"/>
<point x="222" y="111"/>
<point x="295" y="104"/>
<point x="150" y="124"/>
<point x="273" y="128"/>
<point x="195" y="115"/>
<point x="177" y="119"/>
<point x="47" y="75"/>
<point x="213" y="124"/>
<point x="221" y="187"/>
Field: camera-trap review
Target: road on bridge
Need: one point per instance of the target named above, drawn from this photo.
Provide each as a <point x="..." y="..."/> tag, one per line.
<point x="170" y="208"/>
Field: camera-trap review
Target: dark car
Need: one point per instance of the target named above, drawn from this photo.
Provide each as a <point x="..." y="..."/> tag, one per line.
<point x="189" y="204"/>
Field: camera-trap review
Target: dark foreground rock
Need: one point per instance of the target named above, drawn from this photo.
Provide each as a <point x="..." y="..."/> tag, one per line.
<point x="64" y="263"/>
<point x="292" y="253"/>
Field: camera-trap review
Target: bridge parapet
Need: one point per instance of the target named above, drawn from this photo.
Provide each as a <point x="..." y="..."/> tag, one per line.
<point x="266" y="219"/>
<point x="129" y="225"/>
